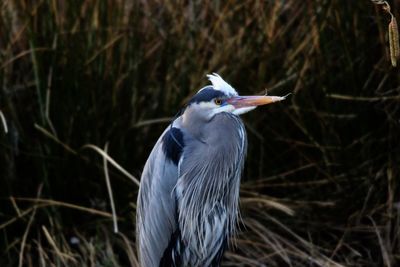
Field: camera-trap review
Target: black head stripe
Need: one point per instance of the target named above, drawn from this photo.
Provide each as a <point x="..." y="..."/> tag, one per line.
<point x="206" y="95"/>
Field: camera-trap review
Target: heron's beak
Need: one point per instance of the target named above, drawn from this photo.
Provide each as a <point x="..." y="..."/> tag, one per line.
<point x="253" y="101"/>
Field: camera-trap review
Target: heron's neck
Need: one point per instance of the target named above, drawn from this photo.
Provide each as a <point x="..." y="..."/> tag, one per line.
<point x="194" y="123"/>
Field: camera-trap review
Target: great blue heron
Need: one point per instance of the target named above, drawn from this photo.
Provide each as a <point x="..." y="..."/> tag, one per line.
<point x="188" y="198"/>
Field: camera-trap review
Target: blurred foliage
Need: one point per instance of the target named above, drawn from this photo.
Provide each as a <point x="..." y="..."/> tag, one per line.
<point x="90" y="72"/>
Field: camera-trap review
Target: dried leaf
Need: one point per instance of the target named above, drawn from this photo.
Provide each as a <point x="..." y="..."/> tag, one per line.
<point x="394" y="41"/>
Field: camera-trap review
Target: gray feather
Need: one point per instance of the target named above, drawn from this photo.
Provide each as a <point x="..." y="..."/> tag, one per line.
<point x="156" y="219"/>
<point x="203" y="191"/>
<point x="208" y="187"/>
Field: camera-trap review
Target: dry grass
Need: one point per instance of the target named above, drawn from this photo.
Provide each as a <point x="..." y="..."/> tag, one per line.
<point x="320" y="186"/>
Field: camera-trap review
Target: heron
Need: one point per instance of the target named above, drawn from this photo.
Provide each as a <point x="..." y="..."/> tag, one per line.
<point x="187" y="207"/>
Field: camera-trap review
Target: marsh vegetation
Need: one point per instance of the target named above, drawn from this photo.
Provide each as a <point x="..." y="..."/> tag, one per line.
<point x="320" y="186"/>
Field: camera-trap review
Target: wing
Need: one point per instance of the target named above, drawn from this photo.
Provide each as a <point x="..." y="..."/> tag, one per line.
<point x="156" y="207"/>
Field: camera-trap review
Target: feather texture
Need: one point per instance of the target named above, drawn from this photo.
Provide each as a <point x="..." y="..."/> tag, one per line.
<point x="156" y="219"/>
<point x="207" y="190"/>
<point x="186" y="213"/>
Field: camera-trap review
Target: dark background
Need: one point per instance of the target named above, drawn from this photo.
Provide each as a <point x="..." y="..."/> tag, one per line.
<point x="320" y="186"/>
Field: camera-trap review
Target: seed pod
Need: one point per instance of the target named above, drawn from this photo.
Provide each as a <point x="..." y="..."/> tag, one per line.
<point x="394" y="41"/>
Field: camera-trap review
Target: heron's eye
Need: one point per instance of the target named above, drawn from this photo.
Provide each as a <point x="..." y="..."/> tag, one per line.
<point x="218" y="101"/>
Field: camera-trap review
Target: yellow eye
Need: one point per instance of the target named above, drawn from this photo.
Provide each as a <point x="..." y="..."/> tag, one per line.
<point x="218" y="101"/>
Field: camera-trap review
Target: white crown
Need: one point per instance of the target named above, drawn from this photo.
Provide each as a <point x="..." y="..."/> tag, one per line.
<point x="219" y="84"/>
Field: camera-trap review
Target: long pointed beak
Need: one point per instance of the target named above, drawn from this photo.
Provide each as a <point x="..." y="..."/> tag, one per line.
<point x="253" y="101"/>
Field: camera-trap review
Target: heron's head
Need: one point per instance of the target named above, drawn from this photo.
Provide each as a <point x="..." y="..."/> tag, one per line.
<point x="222" y="97"/>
